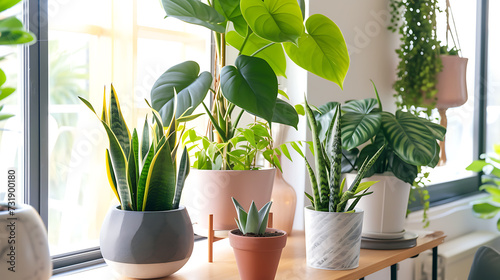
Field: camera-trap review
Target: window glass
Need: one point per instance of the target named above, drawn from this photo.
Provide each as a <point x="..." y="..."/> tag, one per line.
<point x="459" y="135"/>
<point x="493" y="74"/>
<point x="128" y="43"/>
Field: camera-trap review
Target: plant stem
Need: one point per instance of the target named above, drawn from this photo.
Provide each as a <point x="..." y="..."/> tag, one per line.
<point x="245" y="40"/>
<point x="261" y="49"/>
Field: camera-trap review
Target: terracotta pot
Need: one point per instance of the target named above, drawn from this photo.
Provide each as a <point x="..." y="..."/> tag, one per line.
<point x="146" y="244"/>
<point x="284" y="201"/>
<point x="452" y="86"/>
<point x="210" y="191"/>
<point x="385" y="208"/>
<point x="257" y="257"/>
<point x="333" y="239"/>
<point x="23" y="244"/>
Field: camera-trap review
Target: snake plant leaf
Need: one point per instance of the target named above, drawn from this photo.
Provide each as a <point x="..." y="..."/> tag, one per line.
<point x="6" y="4"/>
<point x="132" y="168"/>
<point x="145" y="140"/>
<point x="117" y="123"/>
<point x="274" y="20"/>
<point x="160" y="185"/>
<point x="13" y="33"/>
<point x="410" y="139"/>
<point x="319" y="161"/>
<point x="359" y="123"/>
<point x="252" y="225"/>
<point x="322" y="50"/>
<point x="324" y="117"/>
<point x="285" y="113"/>
<point x="230" y="9"/>
<point x="251" y="85"/>
<point x="404" y="171"/>
<point x="365" y="186"/>
<point x="143" y="177"/>
<point x="274" y="55"/>
<point x="264" y="216"/>
<point x="195" y="12"/>
<point x="111" y="174"/>
<point x="181" y="177"/>
<point x="366" y="152"/>
<point x="191" y="87"/>
<point x="119" y="161"/>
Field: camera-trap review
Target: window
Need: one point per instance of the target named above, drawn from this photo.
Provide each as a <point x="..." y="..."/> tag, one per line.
<point x="81" y="49"/>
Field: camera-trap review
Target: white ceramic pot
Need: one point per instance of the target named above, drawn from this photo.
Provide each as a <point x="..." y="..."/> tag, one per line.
<point x="210" y="191"/>
<point x="385" y="208"/>
<point x="333" y="240"/>
<point x="23" y="244"/>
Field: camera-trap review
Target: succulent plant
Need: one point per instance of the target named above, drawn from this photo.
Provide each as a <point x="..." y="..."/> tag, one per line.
<point x="254" y="221"/>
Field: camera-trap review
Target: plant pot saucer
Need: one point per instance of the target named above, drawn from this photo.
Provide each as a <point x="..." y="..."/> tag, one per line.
<point x="384" y="235"/>
<point x="409" y="240"/>
<point x="202" y="231"/>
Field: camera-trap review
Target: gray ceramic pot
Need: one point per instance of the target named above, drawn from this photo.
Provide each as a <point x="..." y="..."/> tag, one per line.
<point x="149" y="244"/>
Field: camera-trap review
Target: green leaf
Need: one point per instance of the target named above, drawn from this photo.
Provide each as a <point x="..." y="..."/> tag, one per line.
<point x="249" y="136"/>
<point x="437" y="130"/>
<point x="477" y="165"/>
<point x="264" y="216"/>
<point x="285" y="113"/>
<point x="6" y="92"/>
<point x="251" y="85"/>
<point x="3" y="78"/>
<point x="485" y="210"/>
<point x="324" y="118"/>
<point x="133" y="168"/>
<point x="12" y="32"/>
<point x="274" y="20"/>
<point x="190" y="85"/>
<point x="145" y="140"/>
<point x="117" y="123"/>
<point x="111" y="174"/>
<point x="5" y="116"/>
<point x="252" y="225"/>
<point x="232" y="12"/>
<point x="274" y="55"/>
<point x="321" y="51"/>
<point x="409" y="138"/>
<point x="300" y="109"/>
<point x="242" y="215"/>
<point x="160" y="185"/>
<point x="141" y="185"/>
<point x="10" y="24"/>
<point x="364" y="186"/>
<point x="6" y="4"/>
<point x="119" y="161"/>
<point x="404" y="171"/>
<point x="195" y="12"/>
<point x="285" y="151"/>
<point x="359" y="123"/>
<point x="181" y="178"/>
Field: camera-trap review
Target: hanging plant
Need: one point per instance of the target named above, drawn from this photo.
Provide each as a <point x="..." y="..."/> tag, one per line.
<point x="418" y="53"/>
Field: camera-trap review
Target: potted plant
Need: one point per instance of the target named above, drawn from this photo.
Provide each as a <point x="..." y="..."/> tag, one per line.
<point x="409" y="143"/>
<point x="263" y="32"/>
<point x="488" y="207"/>
<point x="257" y="249"/>
<point x="149" y="235"/>
<point x="333" y="224"/>
<point x="419" y="60"/>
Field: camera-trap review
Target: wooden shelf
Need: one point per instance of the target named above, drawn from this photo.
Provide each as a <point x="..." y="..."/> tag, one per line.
<point x="292" y="265"/>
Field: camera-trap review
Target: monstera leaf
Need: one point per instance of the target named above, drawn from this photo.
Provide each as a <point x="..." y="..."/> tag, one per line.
<point x="232" y="12"/>
<point x="196" y="12"/>
<point x="251" y="85"/>
<point x="190" y="85"/>
<point x="359" y="122"/>
<point x="322" y="50"/>
<point x="274" y="20"/>
<point x="409" y="137"/>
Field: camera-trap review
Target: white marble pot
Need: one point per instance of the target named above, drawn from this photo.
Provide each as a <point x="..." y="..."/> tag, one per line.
<point x="385" y="208"/>
<point x="146" y="244"/>
<point x="333" y="239"/>
<point x="23" y="244"/>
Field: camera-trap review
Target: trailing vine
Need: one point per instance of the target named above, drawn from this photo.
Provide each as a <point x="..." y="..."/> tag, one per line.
<point x="418" y="53"/>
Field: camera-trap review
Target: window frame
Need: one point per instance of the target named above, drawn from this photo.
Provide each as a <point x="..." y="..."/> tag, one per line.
<point x="36" y="106"/>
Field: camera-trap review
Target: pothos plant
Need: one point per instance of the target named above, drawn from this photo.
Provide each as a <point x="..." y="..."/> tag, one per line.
<point x="488" y="207"/>
<point x="263" y="32"/>
<point x="419" y="61"/>
<point x="143" y="174"/>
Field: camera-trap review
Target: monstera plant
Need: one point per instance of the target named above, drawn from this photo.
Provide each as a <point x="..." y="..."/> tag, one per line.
<point x="264" y="33"/>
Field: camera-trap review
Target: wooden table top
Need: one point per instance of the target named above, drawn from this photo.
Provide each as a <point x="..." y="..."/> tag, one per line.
<point x="292" y="264"/>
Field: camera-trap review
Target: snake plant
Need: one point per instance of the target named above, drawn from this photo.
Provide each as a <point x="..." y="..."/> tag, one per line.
<point x="142" y="173"/>
<point x="254" y="222"/>
<point x="330" y="193"/>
